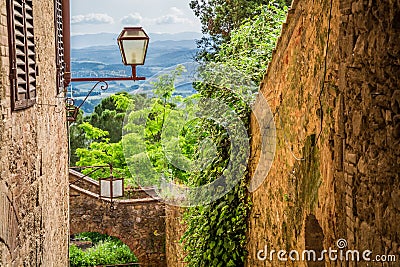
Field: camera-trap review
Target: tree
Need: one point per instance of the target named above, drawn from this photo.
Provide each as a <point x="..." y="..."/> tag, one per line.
<point x="143" y="133"/>
<point x="110" y="113"/>
<point x="250" y="47"/>
<point x="143" y="138"/>
<point x="219" y="18"/>
<point x="101" y="152"/>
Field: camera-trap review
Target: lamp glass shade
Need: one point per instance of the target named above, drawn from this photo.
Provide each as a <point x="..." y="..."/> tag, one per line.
<point x="111" y="188"/>
<point x="133" y="43"/>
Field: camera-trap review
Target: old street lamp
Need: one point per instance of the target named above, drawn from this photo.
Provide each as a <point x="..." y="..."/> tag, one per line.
<point x="110" y="188"/>
<point x="133" y="43"/>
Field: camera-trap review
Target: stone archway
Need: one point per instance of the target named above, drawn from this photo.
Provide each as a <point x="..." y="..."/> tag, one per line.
<point x="139" y="223"/>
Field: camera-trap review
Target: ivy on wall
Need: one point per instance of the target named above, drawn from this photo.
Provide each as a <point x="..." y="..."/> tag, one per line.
<point x="216" y="233"/>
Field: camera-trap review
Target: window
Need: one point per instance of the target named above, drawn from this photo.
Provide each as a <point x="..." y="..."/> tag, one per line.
<point x="59" y="45"/>
<point x="22" y="54"/>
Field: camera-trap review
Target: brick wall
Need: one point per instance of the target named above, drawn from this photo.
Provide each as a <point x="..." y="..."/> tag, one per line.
<point x="33" y="158"/>
<point x="337" y="177"/>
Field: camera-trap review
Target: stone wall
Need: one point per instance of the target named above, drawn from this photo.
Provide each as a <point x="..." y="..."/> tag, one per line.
<point x="368" y="172"/>
<point x="175" y="228"/>
<point x="33" y="158"/>
<point x="336" y="103"/>
<point x="139" y="223"/>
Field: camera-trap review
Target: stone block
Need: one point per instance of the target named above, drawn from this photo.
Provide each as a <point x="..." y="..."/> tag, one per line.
<point x="350" y="168"/>
<point x="351" y="157"/>
<point x="357" y="123"/>
<point x="362" y="166"/>
<point x="395" y="102"/>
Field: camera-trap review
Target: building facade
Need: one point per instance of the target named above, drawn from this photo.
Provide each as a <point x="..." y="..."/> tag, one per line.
<point x="34" y="228"/>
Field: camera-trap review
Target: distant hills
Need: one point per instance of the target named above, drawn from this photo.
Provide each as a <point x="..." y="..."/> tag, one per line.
<point x="106" y="39"/>
<point x="98" y="55"/>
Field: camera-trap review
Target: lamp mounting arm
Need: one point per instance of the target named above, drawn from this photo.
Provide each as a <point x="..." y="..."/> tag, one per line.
<point x="133" y="77"/>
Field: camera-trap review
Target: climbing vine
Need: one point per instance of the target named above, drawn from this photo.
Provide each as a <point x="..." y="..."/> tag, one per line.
<point x="216" y="233"/>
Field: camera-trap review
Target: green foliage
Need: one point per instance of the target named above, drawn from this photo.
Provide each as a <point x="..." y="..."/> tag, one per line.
<point x="216" y="234"/>
<point x="108" y="116"/>
<point x="143" y="139"/>
<point x="122" y="101"/>
<point x="250" y="47"/>
<point x="78" y="258"/>
<point x="96" y="139"/>
<point x="144" y="129"/>
<point x="219" y="18"/>
<point x="106" y="250"/>
<point x="92" y="132"/>
<point x="102" y="153"/>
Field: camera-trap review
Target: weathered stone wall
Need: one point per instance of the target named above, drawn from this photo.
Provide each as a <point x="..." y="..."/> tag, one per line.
<point x="175" y="228"/>
<point x="336" y="104"/>
<point x="368" y="172"/>
<point x="139" y="223"/>
<point x="33" y="158"/>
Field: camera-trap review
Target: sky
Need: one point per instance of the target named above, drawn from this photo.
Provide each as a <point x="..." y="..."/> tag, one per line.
<point x="155" y="16"/>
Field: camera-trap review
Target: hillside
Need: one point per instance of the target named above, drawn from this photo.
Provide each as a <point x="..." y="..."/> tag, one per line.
<point x="106" y="39"/>
<point x="105" y="61"/>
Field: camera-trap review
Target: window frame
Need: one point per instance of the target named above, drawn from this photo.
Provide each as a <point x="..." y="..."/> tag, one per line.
<point x="22" y="54"/>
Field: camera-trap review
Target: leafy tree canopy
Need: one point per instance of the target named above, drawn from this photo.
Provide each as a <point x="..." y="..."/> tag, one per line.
<point x="143" y="139"/>
<point x="220" y="17"/>
<point x="250" y="48"/>
<point x="109" y="114"/>
<point x="144" y="127"/>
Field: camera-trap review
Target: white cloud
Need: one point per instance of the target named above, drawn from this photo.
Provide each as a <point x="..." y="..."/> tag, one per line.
<point x="171" y="19"/>
<point x="175" y="16"/>
<point x="131" y="19"/>
<point x="92" y="18"/>
<point x="176" y="11"/>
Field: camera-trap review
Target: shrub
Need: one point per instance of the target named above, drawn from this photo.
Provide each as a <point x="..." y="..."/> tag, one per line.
<point x="107" y="250"/>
